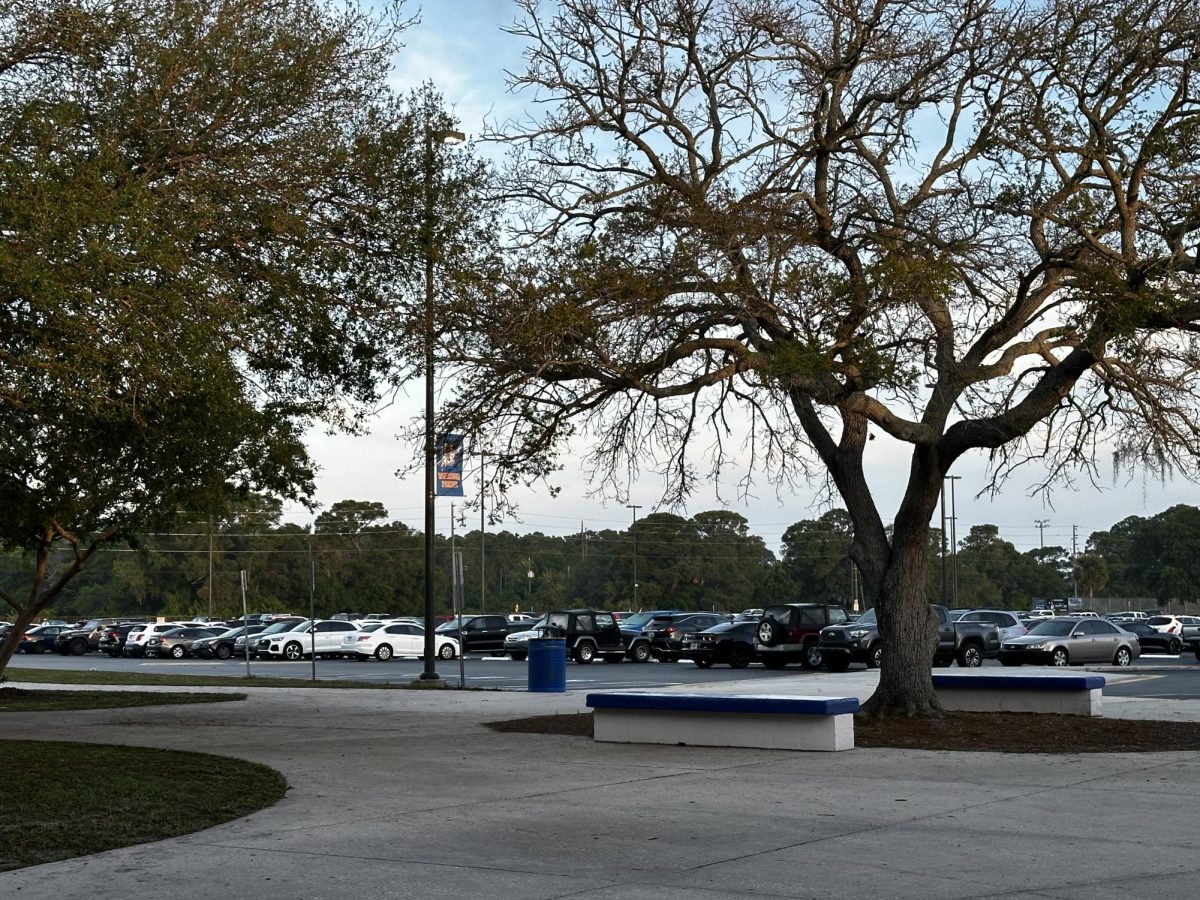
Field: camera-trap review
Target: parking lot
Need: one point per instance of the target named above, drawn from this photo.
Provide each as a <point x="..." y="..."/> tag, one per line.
<point x="1174" y="676"/>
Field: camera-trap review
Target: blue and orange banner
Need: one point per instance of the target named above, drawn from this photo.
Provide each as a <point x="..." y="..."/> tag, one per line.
<point x="449" y="465"/>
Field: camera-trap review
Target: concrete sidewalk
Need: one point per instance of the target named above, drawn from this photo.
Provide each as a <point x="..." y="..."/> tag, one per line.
<point x="406" y="794"/>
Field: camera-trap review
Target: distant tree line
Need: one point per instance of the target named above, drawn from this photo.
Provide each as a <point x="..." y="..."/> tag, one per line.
<point x="353" y="559"/>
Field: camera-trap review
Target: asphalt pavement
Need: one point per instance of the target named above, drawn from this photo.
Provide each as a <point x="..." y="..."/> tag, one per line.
<point x="407" y="794"/>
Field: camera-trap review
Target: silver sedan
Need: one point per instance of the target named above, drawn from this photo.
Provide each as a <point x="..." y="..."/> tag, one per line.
<point x="1065" y="641"/>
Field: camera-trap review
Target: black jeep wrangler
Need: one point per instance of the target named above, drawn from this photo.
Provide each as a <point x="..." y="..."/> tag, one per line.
<point x="589" y="633"/>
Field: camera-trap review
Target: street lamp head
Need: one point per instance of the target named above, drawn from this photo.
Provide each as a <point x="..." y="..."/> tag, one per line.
<point x="448" y="136"/>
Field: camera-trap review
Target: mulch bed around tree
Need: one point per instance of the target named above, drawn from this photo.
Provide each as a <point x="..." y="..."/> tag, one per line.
<point x="994" y="732"/>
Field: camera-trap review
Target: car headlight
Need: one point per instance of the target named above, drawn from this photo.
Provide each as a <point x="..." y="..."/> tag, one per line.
<point x="1041" y="646"/>
<point x="861" y="633"/>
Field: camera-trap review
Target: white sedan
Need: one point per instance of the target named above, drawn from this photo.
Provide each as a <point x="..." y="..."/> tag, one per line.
<point x="396" y="639"/>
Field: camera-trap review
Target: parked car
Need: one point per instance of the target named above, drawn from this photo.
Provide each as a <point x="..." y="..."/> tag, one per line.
<point x="396" y="639"/>
<point x="322" y="638"/>
<point x="791" y="633"/>
<point x="665" y="633"/>
<point x="637" y="621"/>
<point x="177" y="644"/>
<point x="730" y="643"/>
<point x="78" y="641"/>
<point x="135" y="641"/>
<point x="1166" y="624"/>
<point x="481" y="634"/>
<point x="1065" y="641"/>
<point x="221" y="646"/>
<point x="40" y="638"/>
<point x="588" y="633"/>
<point x="1150" y="639"/>
<point x="112" y="639"/>
<point x="275" y="626"/>
<point x="967" y="643"/>
<point x="1008" y="624"/>
<point x="516" y="645"/>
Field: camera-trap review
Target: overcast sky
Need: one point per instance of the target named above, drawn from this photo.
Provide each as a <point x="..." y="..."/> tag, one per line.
<point x="460" y="47"/>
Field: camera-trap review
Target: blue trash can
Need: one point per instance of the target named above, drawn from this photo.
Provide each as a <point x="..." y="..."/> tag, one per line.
<point x="548" y="665"/>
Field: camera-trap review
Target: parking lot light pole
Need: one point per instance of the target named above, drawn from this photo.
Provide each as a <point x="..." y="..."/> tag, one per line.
<point x="633" y="530"/>
<point x="432" y="137"/>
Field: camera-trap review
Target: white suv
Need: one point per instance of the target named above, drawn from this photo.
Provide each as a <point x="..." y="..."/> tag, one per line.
<point x="321" y="637"/>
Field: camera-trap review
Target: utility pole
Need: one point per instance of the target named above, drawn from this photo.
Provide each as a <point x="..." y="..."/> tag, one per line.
<point x="1041" y="526"/>
<point x="482" y="528"/>
<point x="633" y="530"/>
<point x="1074" y="562"/>
<point x="944" y="591"/>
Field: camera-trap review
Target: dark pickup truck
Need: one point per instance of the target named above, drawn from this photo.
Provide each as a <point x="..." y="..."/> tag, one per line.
<point x="482" y="634"/>
<point x="968" y="643"/>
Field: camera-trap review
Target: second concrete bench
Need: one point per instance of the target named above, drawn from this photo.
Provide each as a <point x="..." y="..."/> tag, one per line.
<point x="725" y="720"/>
<point x="1078" y="695"/>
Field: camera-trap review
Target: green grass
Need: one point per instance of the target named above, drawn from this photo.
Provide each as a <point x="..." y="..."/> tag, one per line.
<point x="71" y="676"/>
<point x="75" y="799"/>
<point x="16" y="700"/>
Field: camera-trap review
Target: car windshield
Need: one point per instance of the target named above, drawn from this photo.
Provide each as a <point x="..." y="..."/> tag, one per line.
<point x="284" y="625"/>
<point x="1053" y="628"/>
<point x="232" y="632"/>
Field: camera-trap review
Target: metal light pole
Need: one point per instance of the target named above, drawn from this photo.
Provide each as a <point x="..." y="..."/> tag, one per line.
<point x="432" y="136"/>
<point x="633" y="530"/>
<point x="953" y="542"/>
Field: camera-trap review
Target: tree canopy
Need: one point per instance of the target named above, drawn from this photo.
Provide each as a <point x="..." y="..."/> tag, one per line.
<point x="788" y="227"/>
<point x="208" y="212"/>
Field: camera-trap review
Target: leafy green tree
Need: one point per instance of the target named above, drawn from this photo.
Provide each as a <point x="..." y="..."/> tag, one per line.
<point x="816" y="555"/>
<point x="1091" y="571"/>
<point x="206" y="209"/>
<point x="964" y="227"/>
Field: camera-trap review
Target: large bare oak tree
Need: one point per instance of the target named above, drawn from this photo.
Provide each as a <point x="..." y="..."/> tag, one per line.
<point x="963" y="226"/>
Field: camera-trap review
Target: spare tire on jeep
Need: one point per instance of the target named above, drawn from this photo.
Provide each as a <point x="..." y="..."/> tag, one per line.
<point x="771" y="633"/>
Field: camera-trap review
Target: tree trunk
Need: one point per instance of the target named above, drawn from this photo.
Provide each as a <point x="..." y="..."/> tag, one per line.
<point x="907" y="625"/>
<point x="21" y="624"/>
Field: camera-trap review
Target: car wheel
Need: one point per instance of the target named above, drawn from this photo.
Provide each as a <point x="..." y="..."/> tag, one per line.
<point x="1175" y="648"/>
<point x="641" y="652"/>
<point x="224" y="651"/>
<point x="1123" y="657"/>
<point x="517" y="655"/>
<point x="79" y="646"/>
<point x="740" y="656"/>
<point x="970" y="656"/>
<point x="293" y="651"/>
<point x="703" y="663"/>
<point x="178" y="651"/>
<point x="584" y="653"/>
<point x="382" y="652"/>
<point x="446" y="651"/>
<point x="810" y="656"/>
<point x="875" y="657"/>
<point x="1060" y="657"/>
<point x="839" y="663"/>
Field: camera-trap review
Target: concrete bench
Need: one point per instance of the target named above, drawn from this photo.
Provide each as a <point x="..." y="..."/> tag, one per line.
<point x="1076" y="695"/>
<point x="725" y="720"/>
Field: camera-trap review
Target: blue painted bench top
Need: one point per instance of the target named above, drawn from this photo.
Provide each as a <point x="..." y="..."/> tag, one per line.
<point x="729" y="703"/>
<point x="1019" y="682"/>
